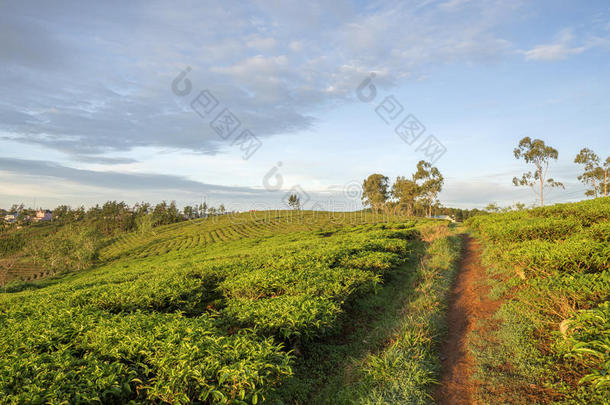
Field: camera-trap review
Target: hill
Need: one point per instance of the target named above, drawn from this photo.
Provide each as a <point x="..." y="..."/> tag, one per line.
<point x="213" y="310"/>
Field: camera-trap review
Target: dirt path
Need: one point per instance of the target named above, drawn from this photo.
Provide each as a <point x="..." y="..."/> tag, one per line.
<point x="468" y="303"/>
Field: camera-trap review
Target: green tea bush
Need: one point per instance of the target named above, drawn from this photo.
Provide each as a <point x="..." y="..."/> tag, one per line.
<point x="196" y="312"/>
<point x="562" y="256"/>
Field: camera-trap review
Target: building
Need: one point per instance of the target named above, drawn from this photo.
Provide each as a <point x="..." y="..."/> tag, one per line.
<point x="43" y="215"/>
<point x="10" y="218"/>
<point x="445" y="217"/>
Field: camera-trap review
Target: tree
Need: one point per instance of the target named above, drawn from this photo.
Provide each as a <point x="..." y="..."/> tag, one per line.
<point x="203" y="208"/>
<point x="375" y="191"/>
<point x="164" y="214"/>
<point x="406" y="192"/>
<point x="16" y="208"/>
<point x="145" y="223"/>
<point x="492" y="207"/>
<point x="73" y="247"/>
<point x="6" y="265"/>
<point x="221" y="209"/>
<point x="537" y="153"/>
<point x="62" y="214"/>
<point x="294" y="201"/>
<point x="189" y="212"/>
<point x="430" y="183"/>
<point x="519" y="206"/>
<point x="595" y="174"/>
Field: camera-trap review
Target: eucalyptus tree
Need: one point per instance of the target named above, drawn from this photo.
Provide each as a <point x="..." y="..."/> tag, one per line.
<point x="536" y="152"/>
<point x="203" y="209"/>
<point x="405" y="191"/>
<point x="294" y="201"/>
<point x="595" y="172"/>
<point x="430" y="183"/>
<point x="375" y="191"/>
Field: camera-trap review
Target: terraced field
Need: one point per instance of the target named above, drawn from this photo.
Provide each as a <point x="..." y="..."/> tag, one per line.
<point x="203" y="232"/>
<point x="25" y="271"/>
<point x="208" y="310"/>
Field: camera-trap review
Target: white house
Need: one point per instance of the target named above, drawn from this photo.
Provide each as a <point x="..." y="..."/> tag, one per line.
<point x="10" y="218"/>
<point x="43" y="215"/>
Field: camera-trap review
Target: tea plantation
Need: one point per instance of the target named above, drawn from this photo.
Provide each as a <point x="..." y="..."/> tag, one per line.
<point x="205" y="311"/>
<point x="550" y="268"/>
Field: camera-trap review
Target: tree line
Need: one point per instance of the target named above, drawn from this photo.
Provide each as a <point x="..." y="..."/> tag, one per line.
<point x="115" y="217"/>
<point x="417" y="194"/>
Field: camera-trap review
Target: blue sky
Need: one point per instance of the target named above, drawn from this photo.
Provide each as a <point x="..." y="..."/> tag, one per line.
<point x="87" y="111"/>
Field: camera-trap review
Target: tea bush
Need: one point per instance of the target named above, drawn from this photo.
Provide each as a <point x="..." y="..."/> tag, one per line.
<point x="203" y="311"/>
<point x="561" y="256"/>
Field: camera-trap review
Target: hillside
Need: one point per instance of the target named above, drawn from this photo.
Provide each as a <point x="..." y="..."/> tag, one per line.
<point x="215" y="310"/>
<point x="549" y="276"/>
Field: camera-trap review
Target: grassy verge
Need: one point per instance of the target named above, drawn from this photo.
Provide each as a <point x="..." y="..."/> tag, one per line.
<point x="387" y="352"/>
<point x="521" y="355"/>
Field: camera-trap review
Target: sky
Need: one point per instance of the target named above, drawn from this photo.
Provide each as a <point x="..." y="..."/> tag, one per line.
<point x="243" y="103"/>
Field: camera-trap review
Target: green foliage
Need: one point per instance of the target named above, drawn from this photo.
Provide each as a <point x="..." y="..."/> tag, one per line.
<point x="294" y="201"/>
<point x="375" y="191"/>
<point x="201" y="311"/>
<point x="73" y="247"/>
<point x="560" y="255"/>
<point x="12" y="242"/>
<point x="536" y="152"/>
<point x="429" y="181"/>
<point x="595" y="173"/>
<point x="405" y="191"/>
<point x="589" y="341"/>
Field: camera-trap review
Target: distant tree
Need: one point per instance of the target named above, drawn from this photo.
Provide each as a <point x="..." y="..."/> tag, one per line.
<point x="24" y="217"/>
<point x="405" y="191"/>
<point x="93" y="214"/>
<point x="595" y="174"/>
<point x="145" y="223"/>
<point x="165" y="213"/>
<point x="62" y="214"/>
<point x="436" y="207"/>
<point x="189" y="212"/>
<point x="173" y="213"/>
<point x="212" y="211"/>
<point x="142" y="208"/>
<point x="492" y="207"/>
<point x="16" y="208"/>
<point x="6" y="265"/>
<point x="430" y="183"/>
<point x="294" y="201"/>
<point x="519" y="206"/>
<point x="117" y="217"/>
<point x="73" y="247"/>
<point x="79" y="214"/>
<point x="221" y="209"/>
<point x="203" y="208"/>
<point x="375" y="191"/>
<point x="537" y="153"/>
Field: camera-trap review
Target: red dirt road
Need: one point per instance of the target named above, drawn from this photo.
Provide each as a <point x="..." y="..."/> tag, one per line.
<point x="468" y="303"/>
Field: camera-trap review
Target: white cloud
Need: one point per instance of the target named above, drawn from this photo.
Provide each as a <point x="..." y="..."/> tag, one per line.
<point x="271" y="63"/>
<point x="564" y="46"/>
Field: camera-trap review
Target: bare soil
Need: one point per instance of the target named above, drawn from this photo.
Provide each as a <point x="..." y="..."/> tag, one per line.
<point x="468" y="303"/>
